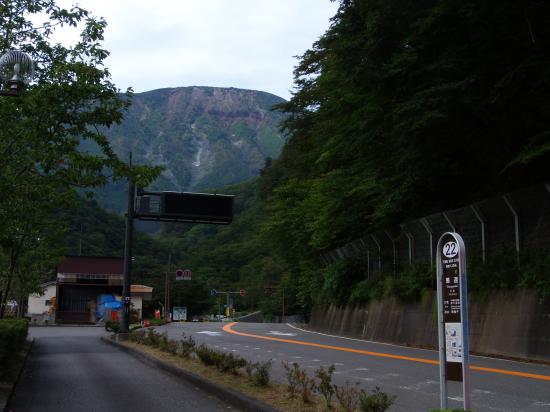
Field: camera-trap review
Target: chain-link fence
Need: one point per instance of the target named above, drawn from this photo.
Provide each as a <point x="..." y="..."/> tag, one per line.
<point x="518" y="221"/>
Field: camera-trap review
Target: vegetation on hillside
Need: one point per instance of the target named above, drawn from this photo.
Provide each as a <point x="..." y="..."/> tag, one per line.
<point x="398" y="111"/>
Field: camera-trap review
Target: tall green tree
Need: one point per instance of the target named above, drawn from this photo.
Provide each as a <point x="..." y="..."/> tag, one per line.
<point x="64" y="110"/>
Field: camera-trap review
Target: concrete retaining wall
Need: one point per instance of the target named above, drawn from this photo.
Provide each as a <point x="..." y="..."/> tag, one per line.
<point x="511" y="325"/>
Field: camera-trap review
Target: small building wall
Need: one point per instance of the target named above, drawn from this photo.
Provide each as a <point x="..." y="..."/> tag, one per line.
<point x="39" y="304"/>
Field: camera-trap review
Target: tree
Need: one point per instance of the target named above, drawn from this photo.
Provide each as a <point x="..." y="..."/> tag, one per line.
<point x="402" y="109"/>
<point x="52" y="139"/>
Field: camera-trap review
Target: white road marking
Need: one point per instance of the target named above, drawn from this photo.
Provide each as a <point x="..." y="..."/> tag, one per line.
<point x="276" y="332"/>
<point x="211" y="333"/>
<point x="361" y="369"/>
<point x="368" y="379"/>
<point x="338" y="364"/>
<point x="316" y="360"/>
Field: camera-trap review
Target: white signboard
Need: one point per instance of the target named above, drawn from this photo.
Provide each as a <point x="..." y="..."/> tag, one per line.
<point x="179" y="313"/>
<point x="453" y="342"/>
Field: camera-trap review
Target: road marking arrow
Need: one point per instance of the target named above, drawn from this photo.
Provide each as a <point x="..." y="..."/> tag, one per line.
<point x="210" y="333"/>
<point x="276" y="332"/>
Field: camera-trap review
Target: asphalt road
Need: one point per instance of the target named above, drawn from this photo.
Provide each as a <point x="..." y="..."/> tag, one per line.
<point x="71" y="369"/>
<point x="410" y="374"/>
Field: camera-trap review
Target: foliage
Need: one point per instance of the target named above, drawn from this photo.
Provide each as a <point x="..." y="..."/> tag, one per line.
<point x="70" y="101"/>
<point x="187" y="346"/>
<point x="260" y="375"/>
<point x="299" y="381"/>
<point x="325" y="386"/>
<point x="112" y="326"/>
<point x="347" y="396"/>
<point x="377" y="401"/>
<point x="13" y="333"/>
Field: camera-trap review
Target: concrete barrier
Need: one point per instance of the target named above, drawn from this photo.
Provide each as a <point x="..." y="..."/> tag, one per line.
<point x="514" y="325"/>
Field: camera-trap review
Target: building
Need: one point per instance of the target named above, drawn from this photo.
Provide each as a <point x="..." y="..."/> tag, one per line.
<point x="82" y="284"/>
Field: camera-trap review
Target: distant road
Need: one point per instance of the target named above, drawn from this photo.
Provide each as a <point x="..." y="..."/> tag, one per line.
<point x="411" y="374"/>
<point x="71" y="369"/>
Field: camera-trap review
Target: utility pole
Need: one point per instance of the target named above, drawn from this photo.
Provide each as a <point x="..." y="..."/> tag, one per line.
<point x="126" y="286"/>
<point x="167" y="290"/>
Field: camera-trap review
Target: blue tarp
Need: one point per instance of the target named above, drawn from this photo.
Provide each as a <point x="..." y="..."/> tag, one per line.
<point x="106" y="301"/>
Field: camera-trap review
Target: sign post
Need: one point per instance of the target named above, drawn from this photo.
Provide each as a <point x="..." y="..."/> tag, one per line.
<point x="452" y="302"/>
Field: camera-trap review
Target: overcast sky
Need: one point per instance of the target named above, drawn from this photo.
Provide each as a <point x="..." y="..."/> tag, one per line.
<point x="248" y="44"/>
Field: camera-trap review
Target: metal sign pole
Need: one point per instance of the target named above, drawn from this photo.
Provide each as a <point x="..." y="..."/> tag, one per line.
<point x="452" y="303"/>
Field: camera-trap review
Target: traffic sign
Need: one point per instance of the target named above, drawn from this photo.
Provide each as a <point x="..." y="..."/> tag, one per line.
<point x="187" y="274"/>
<point x="452" y="300"/>
<point x="242" y="292"/>
<point x="213" y="292"/>
<point x="179" y="274"/>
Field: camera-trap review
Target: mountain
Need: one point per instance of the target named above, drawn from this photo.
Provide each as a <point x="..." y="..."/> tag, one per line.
<point x="205" y="137"/>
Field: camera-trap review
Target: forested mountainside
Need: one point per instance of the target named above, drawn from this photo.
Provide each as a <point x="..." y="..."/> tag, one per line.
<point x="204" y="137"/>
<point x="399" y="110"/>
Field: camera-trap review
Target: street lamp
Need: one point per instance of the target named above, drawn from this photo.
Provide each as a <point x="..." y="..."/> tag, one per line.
<point x="16" y="71"/>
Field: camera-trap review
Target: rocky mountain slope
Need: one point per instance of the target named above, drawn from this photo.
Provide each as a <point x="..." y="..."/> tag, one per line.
<point x="206" y="137"/>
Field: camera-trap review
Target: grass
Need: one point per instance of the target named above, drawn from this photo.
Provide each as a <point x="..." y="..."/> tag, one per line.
<point x="275" y="394"/>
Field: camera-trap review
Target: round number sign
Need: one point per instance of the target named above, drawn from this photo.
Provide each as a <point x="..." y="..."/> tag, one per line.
<point x="450" y="249"/>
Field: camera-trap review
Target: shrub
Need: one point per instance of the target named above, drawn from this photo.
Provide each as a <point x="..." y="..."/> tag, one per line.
<point x="324" y="387"/>
<point x="347" y="396"/>
<point x="227" y="362"/>
<point x="378" y="401"/>
<point x="298" y="380"/>
<point x="13" y="334"/>
<point x="291" y="377"/>
<point x="137" y="337"/>
<point x="112" y="326"/>
<point x="152" y="338"/>
<point x="206" y="355"/>
<point x="187" y="346"/>
<point x="260" y="376"/>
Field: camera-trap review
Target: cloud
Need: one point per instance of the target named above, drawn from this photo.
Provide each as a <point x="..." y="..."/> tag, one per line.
<point x="239" y="43"/>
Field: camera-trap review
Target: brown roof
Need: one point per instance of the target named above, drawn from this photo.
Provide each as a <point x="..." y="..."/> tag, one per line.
<point x="141" y="289"/>
<point x="92" y="265"/>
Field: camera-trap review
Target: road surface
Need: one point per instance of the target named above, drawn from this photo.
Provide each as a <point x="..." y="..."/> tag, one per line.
<point x="410" y="374"/>
<point x="71" y="369"/>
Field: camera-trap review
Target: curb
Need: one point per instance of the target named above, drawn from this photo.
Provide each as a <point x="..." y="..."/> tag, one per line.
<point x="236" y="399"/>
<point x="18" y="378"/>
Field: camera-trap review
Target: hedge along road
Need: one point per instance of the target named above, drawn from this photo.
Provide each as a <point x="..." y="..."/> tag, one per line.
<point x="411" y="374"/>
<point x="71" y="369"/>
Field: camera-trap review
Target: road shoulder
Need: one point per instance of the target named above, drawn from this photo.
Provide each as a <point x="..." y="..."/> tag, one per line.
<point x="225" y="387"/>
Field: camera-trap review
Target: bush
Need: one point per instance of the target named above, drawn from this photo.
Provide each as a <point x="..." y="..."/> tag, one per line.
<point x="260" y="376"/>
<point x="152" y="338"/>
<point x="298" y="380"/>
<point x="13" y="334"/>
<point x="207" y="356"/>
<point x="137" y="337"/>
<point x="378" y="401"/>
<point x="347" y="396"/>
<point x="112" y="326"/>
<point x="324" y="387"/>
<point x="187" y="346"/>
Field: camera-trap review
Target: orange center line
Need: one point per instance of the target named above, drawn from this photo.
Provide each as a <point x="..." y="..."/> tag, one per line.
<point x="229" y="329"/>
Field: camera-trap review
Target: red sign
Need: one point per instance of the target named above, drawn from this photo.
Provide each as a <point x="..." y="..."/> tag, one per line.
<point x="183" y="274"/>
